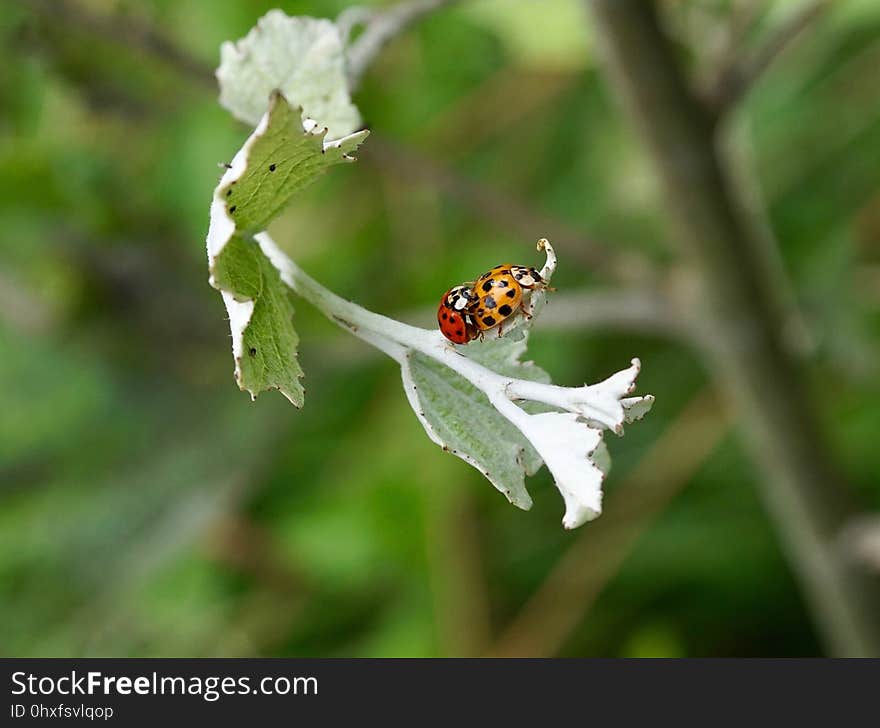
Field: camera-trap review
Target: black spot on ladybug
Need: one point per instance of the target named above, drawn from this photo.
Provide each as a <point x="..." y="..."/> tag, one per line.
<point x="518" y="276"/>
<point x="252" y="351"/>
<point x="271" y="167"/>
<point x="445" y="315"/>
<point x="459" y="332"/>
<point x="489" y="321"/>
<point x="232" y="209"/>
<point x="506" y="272"/>
<point x="511" y="293"/>
<point x="487" y="286"/>
<point x="502" y="283"/>
<point x="505" y="310"/>
<point x="489" y="302"/>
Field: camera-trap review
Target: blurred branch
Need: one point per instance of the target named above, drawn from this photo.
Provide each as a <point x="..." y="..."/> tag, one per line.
<point x="805" y="495"/>
<point x="637" y="310"/>
<point x="242" y="544"/>
<point x="744" y="67"/>
<point x="505" y="98"/>
<point x="109" y="607"/>
<point x="23" y="308"/>
<point x="569" y="591"/>
<point x="205" y="491"/>
<point x="861" y="541"/>
<point x="125" y="31"/>
<point x="505" y="212"/>
<point x="866" y="279"/>
<point x="458" y="581"/>
<point x="381" y="28"/>
<point x="238" y="542"/>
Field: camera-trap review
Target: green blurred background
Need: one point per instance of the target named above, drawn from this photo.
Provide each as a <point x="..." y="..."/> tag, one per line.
<point x="150" y="509"/>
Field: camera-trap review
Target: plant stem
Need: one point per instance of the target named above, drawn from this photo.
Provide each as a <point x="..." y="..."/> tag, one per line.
<point x="804" y="494"/>
<point x="602" y="404"/>
<point x="736" y="78"/>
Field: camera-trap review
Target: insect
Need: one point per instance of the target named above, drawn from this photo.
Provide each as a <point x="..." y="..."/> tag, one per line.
<point x="499" y="294"/>
<point x="456" y="322"/>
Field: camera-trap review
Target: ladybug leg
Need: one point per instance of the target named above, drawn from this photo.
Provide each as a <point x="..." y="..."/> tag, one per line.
<point x="500" y="329"/>
<point x="540" y="282"/>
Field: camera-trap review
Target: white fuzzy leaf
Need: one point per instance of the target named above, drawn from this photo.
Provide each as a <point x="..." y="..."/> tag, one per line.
<point x="504" y="355"/>
<point x="567" y="445"/>
<point x="459" y="417"/>
<point x="302" y="57"/>
<point x="634" y="408"/>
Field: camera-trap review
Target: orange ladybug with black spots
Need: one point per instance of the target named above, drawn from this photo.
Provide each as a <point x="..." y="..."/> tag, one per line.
<point x="499" y="294"/>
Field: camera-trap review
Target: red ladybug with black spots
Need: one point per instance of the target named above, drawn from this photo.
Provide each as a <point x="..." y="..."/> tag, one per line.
<point x="453" y="317"/>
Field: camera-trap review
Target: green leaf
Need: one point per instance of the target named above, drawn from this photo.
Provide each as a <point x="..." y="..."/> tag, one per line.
<point x="459" y="417"/>
<point x="302" y="57"/>
<point x="278" y="160"/>
<point x="266" y="356"/>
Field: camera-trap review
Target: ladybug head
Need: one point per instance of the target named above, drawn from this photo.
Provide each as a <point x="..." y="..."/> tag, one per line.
<point x="459" y="298"/>
<point x="527" y="277"/>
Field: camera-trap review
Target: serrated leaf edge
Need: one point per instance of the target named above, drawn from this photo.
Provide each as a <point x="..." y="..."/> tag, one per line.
<point x="411" y="390"/>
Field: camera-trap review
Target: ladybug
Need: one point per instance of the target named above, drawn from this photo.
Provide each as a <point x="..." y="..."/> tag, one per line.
<point x="456" y="322"/>
<point x="499" y="294"/>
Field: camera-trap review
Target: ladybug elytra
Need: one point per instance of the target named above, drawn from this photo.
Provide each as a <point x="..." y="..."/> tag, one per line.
<point x="499" y="293"/>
